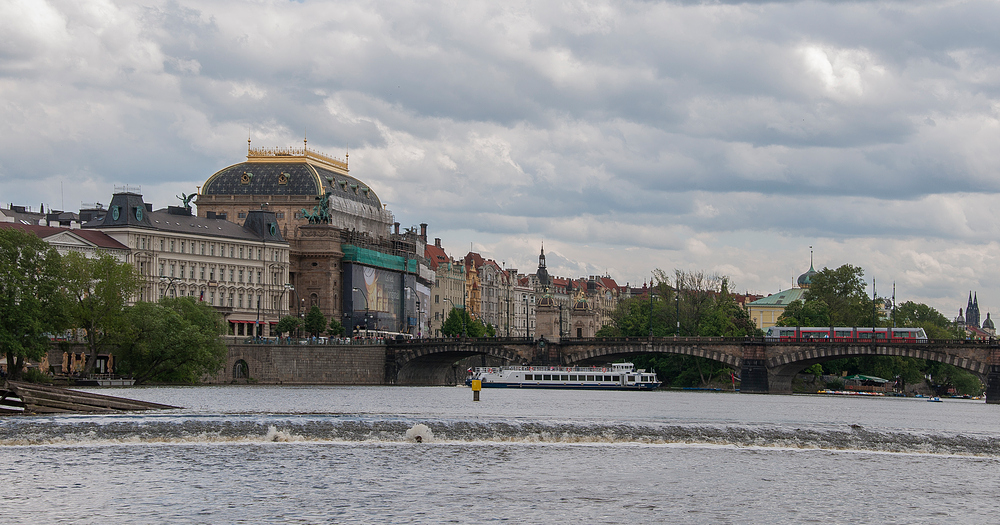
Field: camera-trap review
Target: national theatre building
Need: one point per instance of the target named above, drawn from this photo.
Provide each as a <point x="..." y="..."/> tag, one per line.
<point x="346" y="253"/>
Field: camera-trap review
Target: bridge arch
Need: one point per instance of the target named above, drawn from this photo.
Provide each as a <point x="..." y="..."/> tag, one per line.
<point x="434" y="364"/>
<point x="783" y="367"/>
<point x="729" y="355"/>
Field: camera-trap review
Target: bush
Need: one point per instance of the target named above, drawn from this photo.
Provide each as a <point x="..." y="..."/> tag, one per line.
<point x="34" y="375"/>
<point x="835" y="385"/>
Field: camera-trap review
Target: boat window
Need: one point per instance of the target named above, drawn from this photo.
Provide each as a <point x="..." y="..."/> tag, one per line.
<point x="547" y="377"/>
<point x="572" y="378"/>
<point x="589" y="378"/>
<point x="631" y="378"/>
<point x="616" y="378"/>
<point x="528" y="377"/>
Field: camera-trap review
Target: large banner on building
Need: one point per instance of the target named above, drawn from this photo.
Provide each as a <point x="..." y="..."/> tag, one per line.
<point x="375" y="298"/>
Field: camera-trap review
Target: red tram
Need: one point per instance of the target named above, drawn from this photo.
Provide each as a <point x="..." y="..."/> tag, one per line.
<point x="846" y="334"/>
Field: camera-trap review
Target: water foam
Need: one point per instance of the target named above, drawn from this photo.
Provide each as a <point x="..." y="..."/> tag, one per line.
<point x="335" y="429"/>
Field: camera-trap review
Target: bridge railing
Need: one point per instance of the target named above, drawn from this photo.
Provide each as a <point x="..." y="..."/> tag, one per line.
<point x="452" y="340"/>
<point x="696" y="340"/>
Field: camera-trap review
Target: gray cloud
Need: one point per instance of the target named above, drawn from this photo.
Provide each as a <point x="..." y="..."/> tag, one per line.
<point x="628" y="135"/>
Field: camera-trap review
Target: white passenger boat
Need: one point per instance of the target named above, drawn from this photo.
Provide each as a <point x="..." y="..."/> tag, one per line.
<point x="617" y="376"/>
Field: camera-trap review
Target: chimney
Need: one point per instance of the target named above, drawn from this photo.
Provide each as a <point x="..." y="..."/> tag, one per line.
<point x="437" y="242"/>
<point x="423" y="231"/>
<point x="396" y="224"/>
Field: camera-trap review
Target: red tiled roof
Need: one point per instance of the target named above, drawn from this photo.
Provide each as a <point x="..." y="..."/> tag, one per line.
<point x="97" y="238"/>
<point x="435" y="256"/>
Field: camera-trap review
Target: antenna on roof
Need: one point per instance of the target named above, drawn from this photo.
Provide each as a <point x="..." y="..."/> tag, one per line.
<point x="249" y="134"/>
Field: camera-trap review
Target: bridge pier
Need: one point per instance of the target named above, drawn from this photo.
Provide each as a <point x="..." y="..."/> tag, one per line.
<point x="993" y="385"/>
<point x="753" y="377"/>
<point x="753" y="369"/>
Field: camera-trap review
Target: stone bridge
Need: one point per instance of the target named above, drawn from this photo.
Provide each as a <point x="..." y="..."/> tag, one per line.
<point x="765" y="365"/>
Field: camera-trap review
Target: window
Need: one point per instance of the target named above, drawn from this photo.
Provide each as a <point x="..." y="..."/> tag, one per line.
<point x="171" y="245"/>
<point x="211" y="298"/>
<point x="241" y="300"/>
<point x="230" y="299"/>
<point x="161" y="269"/>
<point x="171" y="270"/>
<point x="211" y="248"/>
<point x="241" y="276"/>
<point x="241" y="252"/>
<point x="231" y="250"/>
<point x="231" y="272"/>
<point x="242" y="215"/>
<point x="279" y="215"/>
<point x="437" y="299"/>
<point x="203" y="248"/>
<point x="192" y="271"/>
<point x="258" y="277"/>
<point x="182" y="246"/>
<point x="202" y="274"/>
<point x="211" y="273"/>
<point x="182" y="271"/>
<point x="161" y="245"/>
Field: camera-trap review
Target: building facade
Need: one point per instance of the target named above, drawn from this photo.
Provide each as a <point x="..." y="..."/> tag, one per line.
<point x="241" y="270"/>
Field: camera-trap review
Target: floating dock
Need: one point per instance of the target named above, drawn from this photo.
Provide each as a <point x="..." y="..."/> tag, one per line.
<point x="30" y="398"/>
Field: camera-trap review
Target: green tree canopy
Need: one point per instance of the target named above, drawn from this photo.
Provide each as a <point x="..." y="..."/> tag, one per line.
<point x="315" y="322"/>
<point x="935" y="324"/>
<point x="32" y="302"/>
<point x="843" y="291"/>
<point x="336" y="329"/>
<point x="459" y="322"/>
<point x="98" y="290"/>
<point x="176" y="340"/>
<point x="288" y="324"/>
<point x="809" y="313"/>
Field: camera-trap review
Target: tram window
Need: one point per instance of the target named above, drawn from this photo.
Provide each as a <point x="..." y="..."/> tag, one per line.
<point x="843" y="333"/>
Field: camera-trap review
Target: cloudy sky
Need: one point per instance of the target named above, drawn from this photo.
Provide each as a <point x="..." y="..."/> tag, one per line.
<point x="727" y="137"/>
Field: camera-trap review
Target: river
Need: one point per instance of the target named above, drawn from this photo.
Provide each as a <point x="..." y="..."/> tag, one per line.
<point x="265" y="454"/>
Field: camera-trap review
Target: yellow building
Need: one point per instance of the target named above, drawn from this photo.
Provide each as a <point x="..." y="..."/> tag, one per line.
<point x="766" y="311"/>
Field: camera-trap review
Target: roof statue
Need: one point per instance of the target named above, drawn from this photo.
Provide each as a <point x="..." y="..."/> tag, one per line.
<point x="185" y="199"/>
<point x="321" y="212"/>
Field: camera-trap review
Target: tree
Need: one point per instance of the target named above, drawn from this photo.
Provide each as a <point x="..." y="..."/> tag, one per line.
<point x="934" y="323"/>
<point x="176" y="340"/>
<point x="315" y="321"/>
<point x="98" y="290"/>
<point x="288" y="324"/>
<point x="459" y="322"/>
<point x="843" y="291"/>
<point x="32" y="303"/>
<point x="336" y="329"/>
<point x="808" y="313"/>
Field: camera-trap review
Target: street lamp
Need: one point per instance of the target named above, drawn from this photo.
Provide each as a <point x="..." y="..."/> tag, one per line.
<point x="356" y="289"/>
<point x="677" y="298"/>
<point x="171" y="282"/>
<point x="527" y="318"/>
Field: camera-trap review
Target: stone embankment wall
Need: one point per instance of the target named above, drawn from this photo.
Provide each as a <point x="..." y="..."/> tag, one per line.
<point x="271" y="364"/>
